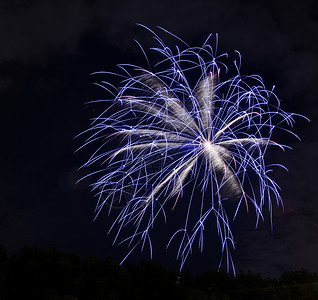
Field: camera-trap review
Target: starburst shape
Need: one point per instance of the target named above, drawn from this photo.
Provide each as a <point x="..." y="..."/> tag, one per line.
<point x="174" y="133"/>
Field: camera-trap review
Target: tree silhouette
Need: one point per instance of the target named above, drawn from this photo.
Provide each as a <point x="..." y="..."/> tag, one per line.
<point x="37" y="273"/>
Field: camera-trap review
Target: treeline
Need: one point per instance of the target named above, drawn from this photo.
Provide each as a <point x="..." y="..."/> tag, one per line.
<point x="37" y="273"/>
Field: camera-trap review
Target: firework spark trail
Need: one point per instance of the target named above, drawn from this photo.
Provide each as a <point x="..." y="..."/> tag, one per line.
<point x="210" y="133"/>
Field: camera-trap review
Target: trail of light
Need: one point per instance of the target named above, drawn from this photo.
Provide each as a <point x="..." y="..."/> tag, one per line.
<point x="196" y="129"/>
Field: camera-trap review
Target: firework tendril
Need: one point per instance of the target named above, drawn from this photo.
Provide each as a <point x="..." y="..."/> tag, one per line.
<point x="179" y="127"/>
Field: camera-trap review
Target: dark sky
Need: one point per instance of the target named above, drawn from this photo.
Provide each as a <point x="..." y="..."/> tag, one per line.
<point x="47" y="51"/>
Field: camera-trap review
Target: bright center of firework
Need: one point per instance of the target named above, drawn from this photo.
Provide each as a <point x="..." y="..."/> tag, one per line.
<point x="207" y="145"/>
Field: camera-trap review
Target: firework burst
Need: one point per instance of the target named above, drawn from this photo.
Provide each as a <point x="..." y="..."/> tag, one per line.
<point x="179" y="127"/>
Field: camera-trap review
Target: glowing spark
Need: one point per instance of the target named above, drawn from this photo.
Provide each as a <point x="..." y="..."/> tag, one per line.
<point x="175" y="131"/>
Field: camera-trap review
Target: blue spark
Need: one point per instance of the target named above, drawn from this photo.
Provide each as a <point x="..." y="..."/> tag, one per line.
<point x="173" y="131"/>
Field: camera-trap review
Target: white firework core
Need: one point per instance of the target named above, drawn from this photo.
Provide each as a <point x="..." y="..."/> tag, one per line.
<point x="208" y="147"/>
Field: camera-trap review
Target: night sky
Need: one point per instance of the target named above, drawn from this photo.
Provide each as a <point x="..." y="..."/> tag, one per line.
<point x="47" y="51"/>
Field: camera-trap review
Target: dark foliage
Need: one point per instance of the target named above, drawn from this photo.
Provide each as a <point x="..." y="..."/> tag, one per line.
<point x="37" y="273"/>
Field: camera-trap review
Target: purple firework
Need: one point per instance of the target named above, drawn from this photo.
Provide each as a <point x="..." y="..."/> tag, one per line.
<point x="179" y="127"/>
